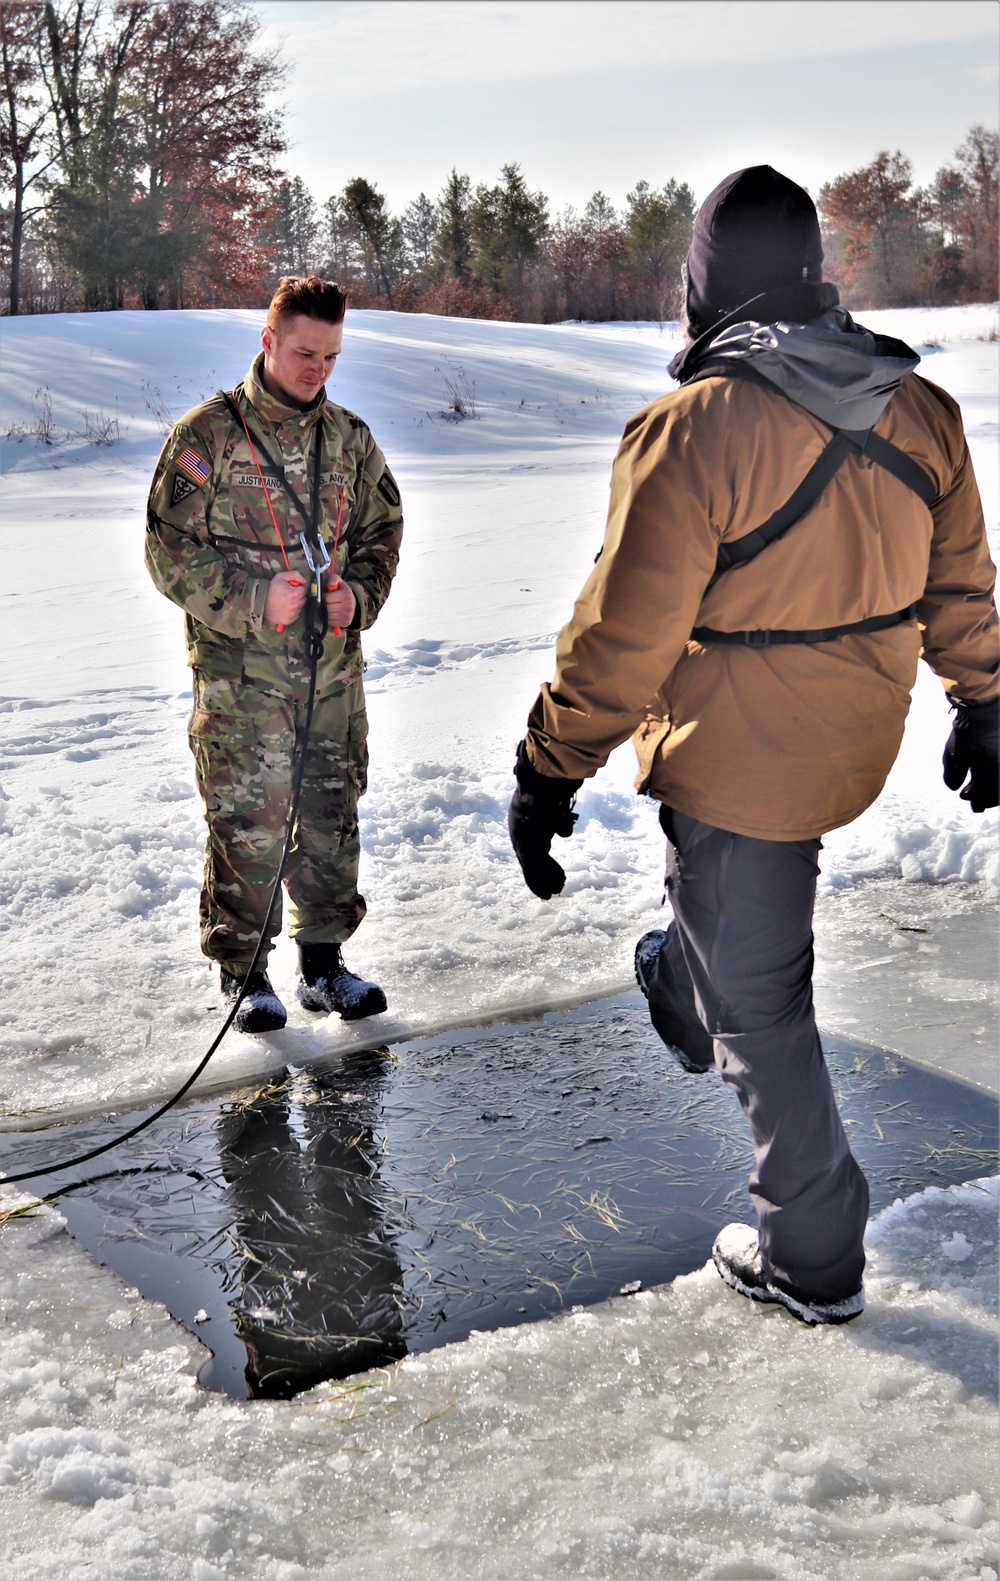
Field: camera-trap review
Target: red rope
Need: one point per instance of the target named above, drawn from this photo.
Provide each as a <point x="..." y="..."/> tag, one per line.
<point x="267" y="496"/>
<point x="274" y="519"/>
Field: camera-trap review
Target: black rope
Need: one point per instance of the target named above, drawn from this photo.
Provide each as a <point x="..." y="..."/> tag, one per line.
<point x="309" y="518"/>
<point x="741" y="550"/>
<point x="314" y="647"/>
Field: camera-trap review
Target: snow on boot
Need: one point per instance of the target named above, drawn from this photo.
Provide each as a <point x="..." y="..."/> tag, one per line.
<point x="736" y="1254"/>
<point x="326" y="984"/>
<point x="647" y="953"/>
<point x="261" y="1010"/>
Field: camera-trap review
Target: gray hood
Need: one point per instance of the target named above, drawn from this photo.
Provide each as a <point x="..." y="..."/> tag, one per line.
<point x="844" y="374"/>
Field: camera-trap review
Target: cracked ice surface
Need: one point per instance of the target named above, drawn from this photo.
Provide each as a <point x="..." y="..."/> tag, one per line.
<point x="682" y="1432"/>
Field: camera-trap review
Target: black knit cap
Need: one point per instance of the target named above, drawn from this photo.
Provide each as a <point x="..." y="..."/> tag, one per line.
<point x="755" y="232"/>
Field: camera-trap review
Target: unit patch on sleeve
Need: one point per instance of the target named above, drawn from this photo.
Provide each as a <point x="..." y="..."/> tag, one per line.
<point x="181" y="489"/>
<point x="388" y="490"/>
<point x="196" y="467"/>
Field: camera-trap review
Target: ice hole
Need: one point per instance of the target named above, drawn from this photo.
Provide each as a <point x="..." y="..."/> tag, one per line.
<point x="399" y="1199"/>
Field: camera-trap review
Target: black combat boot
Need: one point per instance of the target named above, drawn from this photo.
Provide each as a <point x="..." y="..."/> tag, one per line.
<point x="325" y="985"/>
<point x="261" y="1010"/>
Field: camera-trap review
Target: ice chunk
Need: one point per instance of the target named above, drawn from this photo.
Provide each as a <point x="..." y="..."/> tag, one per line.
<point x="967" y="1510"/>
<point x="957" y="1248"/>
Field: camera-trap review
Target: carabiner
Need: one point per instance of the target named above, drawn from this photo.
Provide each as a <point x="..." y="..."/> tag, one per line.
<point x="317" y="570"/>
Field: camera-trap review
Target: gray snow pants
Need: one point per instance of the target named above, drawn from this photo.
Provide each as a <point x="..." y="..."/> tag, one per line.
<point x="734" y="980"/>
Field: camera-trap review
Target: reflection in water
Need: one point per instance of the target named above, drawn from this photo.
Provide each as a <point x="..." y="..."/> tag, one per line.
<point x="318" y="1271"/>
<point x="476" y="1179"/>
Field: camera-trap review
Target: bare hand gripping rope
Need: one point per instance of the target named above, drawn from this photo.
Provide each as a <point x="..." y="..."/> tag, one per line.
<point x="312" y="523"/>
<point x="319" y="559"/>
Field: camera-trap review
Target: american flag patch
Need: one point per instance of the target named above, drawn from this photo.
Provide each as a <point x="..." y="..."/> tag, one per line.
<point x="194" y="465"/>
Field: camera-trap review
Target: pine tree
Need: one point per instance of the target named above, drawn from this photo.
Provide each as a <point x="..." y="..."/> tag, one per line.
<point x="508" y="225"/>
<point x="376" y="234"/>
<point x="658" y="226"/>
<point x="420" y="229"/>
<point x="337" y="249"/>
<point x="608" y="247"/>
<point x="453" y="241"/>
<point x="295" y="229"/>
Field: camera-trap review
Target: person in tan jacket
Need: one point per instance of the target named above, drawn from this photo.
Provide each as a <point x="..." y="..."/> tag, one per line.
<point x="788" y="533"/>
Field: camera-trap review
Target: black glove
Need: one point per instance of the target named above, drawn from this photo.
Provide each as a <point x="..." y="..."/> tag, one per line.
<point x="540" y="808"/>
<point x="973" y="749"/>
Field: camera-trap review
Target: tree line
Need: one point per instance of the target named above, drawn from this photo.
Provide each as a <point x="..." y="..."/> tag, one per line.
<point x="492" y="250"/>
<point x="891" y="244"/>
<point x="141" y="167"/>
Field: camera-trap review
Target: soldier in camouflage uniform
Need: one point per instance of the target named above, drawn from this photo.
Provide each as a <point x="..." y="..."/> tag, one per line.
<point x="223" y="542"/>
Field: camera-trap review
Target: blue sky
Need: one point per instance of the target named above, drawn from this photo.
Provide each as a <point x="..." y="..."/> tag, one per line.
<point x="588" y="94"/>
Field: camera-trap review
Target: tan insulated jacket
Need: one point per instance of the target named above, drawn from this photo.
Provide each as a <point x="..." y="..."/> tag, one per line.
<point x="780" y="743"/>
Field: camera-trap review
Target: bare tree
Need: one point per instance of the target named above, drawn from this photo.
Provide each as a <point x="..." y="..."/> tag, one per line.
<point x="25" y="119"/>
<point x="873" y="224"/>
<point x="208" y="143"/>
<point x="978" y="160"/>
<point x="86" y="64"/>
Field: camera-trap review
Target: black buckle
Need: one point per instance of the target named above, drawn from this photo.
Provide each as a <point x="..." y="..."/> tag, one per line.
<point x="757" y="639"/>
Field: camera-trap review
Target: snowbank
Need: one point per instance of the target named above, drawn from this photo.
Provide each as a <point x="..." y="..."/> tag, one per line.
<point x="682" y="1432"/>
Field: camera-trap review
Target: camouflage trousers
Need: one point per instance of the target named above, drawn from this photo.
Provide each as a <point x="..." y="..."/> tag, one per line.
<point x="243" y="739"/>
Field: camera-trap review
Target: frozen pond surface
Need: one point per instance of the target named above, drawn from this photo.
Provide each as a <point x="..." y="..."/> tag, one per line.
<point x="400" y="1199"/>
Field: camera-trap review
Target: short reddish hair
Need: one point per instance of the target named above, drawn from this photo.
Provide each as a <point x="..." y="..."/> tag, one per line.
<point x="309" y="295"/>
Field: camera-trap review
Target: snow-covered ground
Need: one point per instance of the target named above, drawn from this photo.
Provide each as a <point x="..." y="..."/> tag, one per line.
<point x="678" y="1435"/>
<point x="106" y="998"/>
<point x="681" y="1433"/>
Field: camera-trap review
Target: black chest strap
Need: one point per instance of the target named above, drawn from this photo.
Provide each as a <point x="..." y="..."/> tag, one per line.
<point x="768" y="639"/>
<point x="310" y="516"/>
<point x="739" y="553"/>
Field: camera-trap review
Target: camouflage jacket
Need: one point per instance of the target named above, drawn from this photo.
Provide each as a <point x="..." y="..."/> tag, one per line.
<point x="210" y="539"/>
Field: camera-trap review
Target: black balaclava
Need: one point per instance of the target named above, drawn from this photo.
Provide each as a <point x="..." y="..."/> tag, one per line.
<point x="756" y="232"/>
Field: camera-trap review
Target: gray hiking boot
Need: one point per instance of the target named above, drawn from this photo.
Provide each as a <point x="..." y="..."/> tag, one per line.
<point x="326" y="985"/>
<point x="647" y="953"/>
<point x="261" y="1010"/>
<point x="736" y="1255"/>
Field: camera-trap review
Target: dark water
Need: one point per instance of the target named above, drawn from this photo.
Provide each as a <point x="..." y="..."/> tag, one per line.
<point x="396" y="1201"/>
